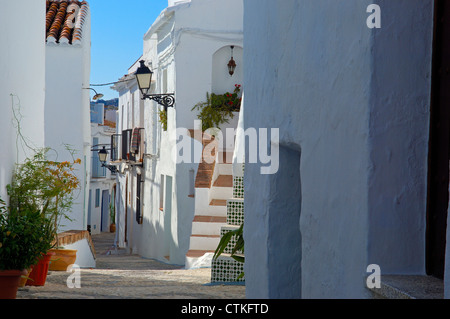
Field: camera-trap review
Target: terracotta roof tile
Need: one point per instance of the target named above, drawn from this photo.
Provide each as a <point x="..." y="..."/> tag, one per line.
<point x="60" y="18"/>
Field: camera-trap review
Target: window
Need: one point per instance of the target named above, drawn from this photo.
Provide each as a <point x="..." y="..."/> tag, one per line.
<point x="97" y="169"/>
<point x="164" y="80"/>
<point x="161" y="193"/>
<point x="138" y="199"/>
<point x="133" y="145"/>
<point x="97" y="197"/>
<point x="115" y="150"/>
<point x="126" y="142"/>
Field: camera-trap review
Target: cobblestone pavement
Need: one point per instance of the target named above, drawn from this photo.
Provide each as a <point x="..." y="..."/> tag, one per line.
<point x="119" y="275"/>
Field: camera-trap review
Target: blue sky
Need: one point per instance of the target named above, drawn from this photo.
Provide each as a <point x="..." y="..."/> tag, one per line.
<point x="117" y="30"/>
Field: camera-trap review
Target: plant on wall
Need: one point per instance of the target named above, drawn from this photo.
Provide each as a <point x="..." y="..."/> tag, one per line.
<point x="218" y="108"/>
<point x="163" y="119"/>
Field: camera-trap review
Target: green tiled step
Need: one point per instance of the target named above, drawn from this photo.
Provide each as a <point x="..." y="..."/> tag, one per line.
<point x="238" y="186"/>
<point x="235" y="211"/>
<point x="226" y="269"/>
<point x="232" y="242"/>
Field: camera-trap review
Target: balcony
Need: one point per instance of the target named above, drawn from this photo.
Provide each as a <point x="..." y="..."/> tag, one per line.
<point x="128" y="146"/>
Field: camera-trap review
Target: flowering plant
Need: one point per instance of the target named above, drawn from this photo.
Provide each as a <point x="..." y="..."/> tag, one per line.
<point x="218" y="108"/>
<point x="39" y="184"/>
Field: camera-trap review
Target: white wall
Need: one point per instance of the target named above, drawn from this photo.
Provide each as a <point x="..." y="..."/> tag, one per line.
<point x="22" y="74"/>
<point x="353" y="118"/>
<point x="85" y="257"/>
<point x="222" y="81"/>
<point x="180" y="46"/>
<point x="175" y="2"/>
<point x="67" y="114"/>
<point x="202" y="29"/>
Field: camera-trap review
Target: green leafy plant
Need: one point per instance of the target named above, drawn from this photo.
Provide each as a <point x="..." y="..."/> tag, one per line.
<point x="45" y="186"/>
<point x="112" y="212"/>
<point x="22" y="237"/>
<point x="237" y="252"/>
<point x="163" y="119"/>
<point x="218" y="108"/>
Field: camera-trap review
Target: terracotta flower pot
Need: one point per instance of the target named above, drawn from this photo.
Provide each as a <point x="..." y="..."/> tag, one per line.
<point x="38" y="274"/>
<point x="112" y="228"/>
<point x="9" y="283"/>
<point x="62" y="259"/>
<point x="24" y="279"/>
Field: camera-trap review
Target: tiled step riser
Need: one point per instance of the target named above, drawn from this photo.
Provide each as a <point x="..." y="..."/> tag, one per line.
<point x="233" y="240"/>
<point x="226" y="269"/>
<point x="238" y="187"/>
<point x="204" y="243"/>
<point x="235" y="212"/>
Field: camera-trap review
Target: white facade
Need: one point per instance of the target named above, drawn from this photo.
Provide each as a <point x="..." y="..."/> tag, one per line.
<point x="42" y="96"/>
<point x="102" y="182"/>
<point x="67" y="113"/>
<point x="186" y="47"/>
<point x="22" y="77"/>
<point x="130" y="115"/>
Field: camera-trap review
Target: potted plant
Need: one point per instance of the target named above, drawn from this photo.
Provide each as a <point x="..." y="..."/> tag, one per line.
<point x="218" y="108"/>
<point x="48" y="186"/>
<point x="20" y="246"/>
<point x="112" y="215"/>
<point x="37" y="275"/>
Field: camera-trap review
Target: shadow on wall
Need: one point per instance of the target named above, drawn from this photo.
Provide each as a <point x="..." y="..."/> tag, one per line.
<point x="284" y="237"/>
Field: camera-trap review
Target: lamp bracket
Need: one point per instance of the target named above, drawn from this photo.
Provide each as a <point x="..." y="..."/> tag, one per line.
<point x="166" y="100"/>
<point x="112" y="168"/>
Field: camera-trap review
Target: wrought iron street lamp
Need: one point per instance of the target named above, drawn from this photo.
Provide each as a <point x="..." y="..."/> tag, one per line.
<point x="144" y="78"/>
<point x="102" y="156"/>
<point x="96" y="96"/>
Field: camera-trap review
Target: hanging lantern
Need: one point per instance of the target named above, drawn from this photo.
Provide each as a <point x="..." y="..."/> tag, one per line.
<point x="232" y="63"/>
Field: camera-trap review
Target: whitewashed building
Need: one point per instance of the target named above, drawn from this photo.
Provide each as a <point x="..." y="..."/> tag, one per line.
<point x="188" y="48"/>
<point x="67" y="99"/>
<point x="45" y="66"/>
<point x="22" y="78"/>
<point x="362" y="107"/>
<point x="102" y="184"/>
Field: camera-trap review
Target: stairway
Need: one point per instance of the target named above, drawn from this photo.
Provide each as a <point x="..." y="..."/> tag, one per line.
<point x="225" y="268"/>
<point x="214" y="185"/>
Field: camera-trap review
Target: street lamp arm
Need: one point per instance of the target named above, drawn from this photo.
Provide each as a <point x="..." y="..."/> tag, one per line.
<point x="166" y="100"/>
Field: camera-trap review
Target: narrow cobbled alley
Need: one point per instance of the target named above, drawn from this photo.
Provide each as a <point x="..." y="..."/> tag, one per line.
<point x="120" y="275"/>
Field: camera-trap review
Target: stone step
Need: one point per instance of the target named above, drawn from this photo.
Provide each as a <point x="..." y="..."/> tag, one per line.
<point x="218" y="202"/>
<point x="208" y="225"/>
<point x="221" y="192"/>
<point x="198" y="253"/>
<point x="224" y="181"/>
<point x="204" y="242"/>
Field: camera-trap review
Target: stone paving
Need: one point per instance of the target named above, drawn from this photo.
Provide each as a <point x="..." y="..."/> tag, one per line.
<point x="120" y="276"/>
